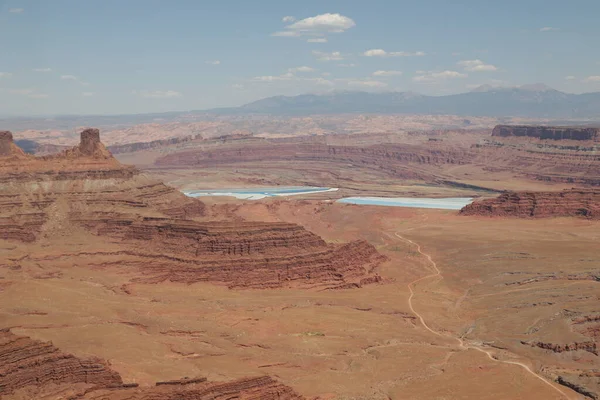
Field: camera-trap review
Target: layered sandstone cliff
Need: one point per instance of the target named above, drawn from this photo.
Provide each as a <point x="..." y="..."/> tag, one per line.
<point x="26" y="362"/>
<point x="547" y="132"/>
<point x="31" y="369"/>
<point x="393" y="159"/>
<point x="161" y="233"/>
<point x="567" y="203"/>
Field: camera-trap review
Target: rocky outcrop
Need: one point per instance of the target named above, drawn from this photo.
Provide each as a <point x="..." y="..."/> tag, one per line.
<point x="89" y="160"/>
<point x="547" y="132"/>
<point x="567" y="203"/>
<point x="25" y="362"/>
<point x="260" y="388"/>
<point x="583" y="385"/>
<point x="588" y="325"/>
<point x="38" y="369"/>
<point x="590" y="347"/>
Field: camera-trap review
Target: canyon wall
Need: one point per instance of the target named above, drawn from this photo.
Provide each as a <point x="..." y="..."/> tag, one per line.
<point x="389" y="158"/>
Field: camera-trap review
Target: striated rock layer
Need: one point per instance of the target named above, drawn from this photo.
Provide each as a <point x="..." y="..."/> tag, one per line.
<point x="391" y="159"/>
<point x="159" y="231"/>
<point x="25" y="362"/>
<point x="38" y="370"/>
<point x="567" y="203"/>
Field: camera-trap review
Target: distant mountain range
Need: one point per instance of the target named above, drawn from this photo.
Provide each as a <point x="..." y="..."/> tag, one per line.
<point x="531" y="101"/>
<point x="536" y="101"/>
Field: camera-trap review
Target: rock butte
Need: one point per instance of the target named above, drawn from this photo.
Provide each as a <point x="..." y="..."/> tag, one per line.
<point x="34" y="369"/>
<point x="567" y="203"/>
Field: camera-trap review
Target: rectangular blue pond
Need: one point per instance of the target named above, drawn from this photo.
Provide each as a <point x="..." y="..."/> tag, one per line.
<point x="451" y="203"/>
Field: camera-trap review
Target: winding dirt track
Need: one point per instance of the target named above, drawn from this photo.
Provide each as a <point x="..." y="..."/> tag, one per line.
<point x="461" y="343"/>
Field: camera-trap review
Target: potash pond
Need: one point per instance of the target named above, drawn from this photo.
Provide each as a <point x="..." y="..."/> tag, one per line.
<point x="450" y="203"/>
<point x="259" y="193"/>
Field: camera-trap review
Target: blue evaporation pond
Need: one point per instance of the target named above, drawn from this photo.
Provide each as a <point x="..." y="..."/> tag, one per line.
<point x="451" y="203"/>
<point x="259" y="193"/>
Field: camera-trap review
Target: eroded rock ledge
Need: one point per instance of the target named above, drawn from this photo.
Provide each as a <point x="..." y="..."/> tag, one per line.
<point x="31" y="369"/>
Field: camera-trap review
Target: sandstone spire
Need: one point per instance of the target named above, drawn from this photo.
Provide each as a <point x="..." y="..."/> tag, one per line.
<point x="91" y="146"/>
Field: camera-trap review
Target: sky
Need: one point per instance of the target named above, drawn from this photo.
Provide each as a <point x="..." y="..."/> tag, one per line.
<point x="62" y="57"/>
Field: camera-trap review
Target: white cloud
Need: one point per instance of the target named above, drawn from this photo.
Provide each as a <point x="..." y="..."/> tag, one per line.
<point x="157" y="94"/>
<point x="548" y="29"/>
<point x="383" y="53"/>
<point x="367" y="83"/>
<point x="436" y="77"/>
<point x="346" y="65"/>
<point x="213" y="62"/>
<point x="288" y="18"/>
<point x="387" y="73"/>
<point x="237" y="86"/>
<point x="39" y="96"/>
<point x="326" y="74"/>
<point x="87" y="94"/>
<point x="5" y="75"/>
<point x="323" y="23"/>
<point x="476" y="66"/>
<point x="42" y="70"/>
<point x="318" y="25"/>
<point x="317" y="40"/>
<point x="375" y="53"/>
<point x="16" y="10"/>
<point x="569" y="78"/>
<point x="334" y="56"/>
<point x="593" y="78"/>
<point x="302" y="69"/>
